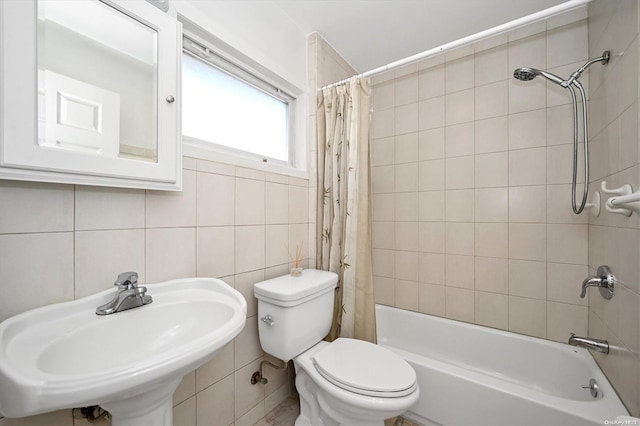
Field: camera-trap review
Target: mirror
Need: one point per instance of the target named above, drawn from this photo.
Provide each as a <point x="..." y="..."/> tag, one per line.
<point x="97" y="72"/>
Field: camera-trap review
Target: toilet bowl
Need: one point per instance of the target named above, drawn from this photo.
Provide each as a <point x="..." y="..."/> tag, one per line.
<point x="345" y="382"/>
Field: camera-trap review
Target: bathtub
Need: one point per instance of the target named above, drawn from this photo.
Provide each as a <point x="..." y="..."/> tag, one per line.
<point x="473" y="375"/>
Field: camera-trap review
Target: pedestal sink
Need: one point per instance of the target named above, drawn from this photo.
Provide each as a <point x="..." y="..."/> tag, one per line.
<point x="130" y="363"/>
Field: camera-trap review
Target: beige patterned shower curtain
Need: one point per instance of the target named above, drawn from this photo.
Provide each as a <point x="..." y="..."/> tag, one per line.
<point x="344" y="218"/>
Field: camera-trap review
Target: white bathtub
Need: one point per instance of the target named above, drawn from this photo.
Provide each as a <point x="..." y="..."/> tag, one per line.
<point x="473" y="375"/>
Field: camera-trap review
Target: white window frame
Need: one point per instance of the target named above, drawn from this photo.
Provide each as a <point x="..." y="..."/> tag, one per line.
<point x="206" y="47"/>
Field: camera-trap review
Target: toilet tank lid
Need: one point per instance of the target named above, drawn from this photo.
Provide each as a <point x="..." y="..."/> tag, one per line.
<point x="288" y="288"/>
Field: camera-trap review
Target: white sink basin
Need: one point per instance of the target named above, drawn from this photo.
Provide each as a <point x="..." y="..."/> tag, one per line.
<point x="64" y="355"/>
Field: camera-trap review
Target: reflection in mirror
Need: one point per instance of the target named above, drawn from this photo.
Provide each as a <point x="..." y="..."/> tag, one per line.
<point x="97" y="78"/>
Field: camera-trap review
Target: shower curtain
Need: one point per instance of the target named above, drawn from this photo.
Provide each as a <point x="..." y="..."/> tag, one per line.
<point x="344" y="218"/>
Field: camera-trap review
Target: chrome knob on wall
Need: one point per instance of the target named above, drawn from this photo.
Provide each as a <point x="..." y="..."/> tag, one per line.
<point x="604" y="279"/>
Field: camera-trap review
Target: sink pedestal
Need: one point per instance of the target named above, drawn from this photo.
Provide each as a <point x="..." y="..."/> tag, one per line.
<point x="152" y="408"/>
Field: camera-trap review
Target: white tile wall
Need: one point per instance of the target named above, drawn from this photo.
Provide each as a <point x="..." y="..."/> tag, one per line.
<point x="613" y="239"/>
<point x="496" y="241"/>
<point x="69" y="242"/>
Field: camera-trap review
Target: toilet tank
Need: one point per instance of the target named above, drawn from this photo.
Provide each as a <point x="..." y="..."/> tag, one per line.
<point x="299" y="310"/>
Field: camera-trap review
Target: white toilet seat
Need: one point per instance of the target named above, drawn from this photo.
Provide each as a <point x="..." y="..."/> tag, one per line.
<point x="365" y="369"/>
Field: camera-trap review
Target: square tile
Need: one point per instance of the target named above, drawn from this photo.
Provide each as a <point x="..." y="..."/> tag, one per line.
<point x="568" y="243"/>
<point x="170" y="253"/>
<point x="459" y="172"/>
<point x="563" y="319"/>
<point x="431" y="113"/>
<point x="250" y="202"/>
<point x="276" y="203"/>
<point x="406" y="118"/>
<point x="406" y="177"/>
<point x="459" y="238"/>
<point x="406" y="89"/>
<point x="491" y="170"/>
<point x="491" y="135"/>
<point x="431" y="82"/>
<point x="492" y="274"/>
<point x="492" y="310"/>
<point x="528" y="129"/>
<point x="492" y="239"/>
<point x="459" y="107"/>
<point x="459" y="74"/>
<point x="406" y="236"/>
<point x="491" y="100"/>
<point x="431" y="175"/>
<point x="406" y="148"/>
<point x="491" y="65"/>
<point x="383" y="151"/>
<point x="431" y="299"/>
<point x="250" y="248"/>
<point x="528" y="204"/>
<point x="460" y="304"/>
<point x="432" y="237"/>
<point x="431" y="144"/>
<point x="459" y="140"/>
<point x="492" y="205"/>
<point x="27" y="207"/>
<point x="29" y="260"/>
<point x="527" y="279"/>
<point x="216" y="402"/>
<point x="215" y="251"/>
<point x="459" y="205"/>
<point x="101" y="255"/>
<point x="108" y="208"/>
<point x="432" y="268"/>
<point x="563" y="283"/>
<point x="528" y="241"/>
<point x="528" y="316"/>
<point x="431" y="206"/>
<point x="459" y="271"/>
<point x="216" y="200"/>
<point x="407" y="295"/>
<point x="528" y="167"/>
<point x="167" y="209"/>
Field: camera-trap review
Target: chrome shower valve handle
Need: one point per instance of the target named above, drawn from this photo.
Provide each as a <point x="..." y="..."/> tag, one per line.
<point x="604" y="280"/>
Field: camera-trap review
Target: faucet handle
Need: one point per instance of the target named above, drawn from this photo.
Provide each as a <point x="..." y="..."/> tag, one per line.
<point x="127" y="280"/>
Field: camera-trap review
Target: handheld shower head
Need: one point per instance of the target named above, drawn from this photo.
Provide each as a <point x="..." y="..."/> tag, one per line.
<point x="528" y="74"/>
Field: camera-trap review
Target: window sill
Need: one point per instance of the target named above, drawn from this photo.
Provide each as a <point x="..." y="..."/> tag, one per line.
<point x="191" y="148"/>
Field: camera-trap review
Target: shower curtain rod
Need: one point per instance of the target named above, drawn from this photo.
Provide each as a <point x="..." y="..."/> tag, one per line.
<point x="525" y="20"/>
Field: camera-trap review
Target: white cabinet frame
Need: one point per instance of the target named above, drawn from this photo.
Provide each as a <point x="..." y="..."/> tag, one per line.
<point x="22" y="158"/>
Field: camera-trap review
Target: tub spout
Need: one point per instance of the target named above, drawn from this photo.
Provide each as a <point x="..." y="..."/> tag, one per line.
<point x="597" y="345"/>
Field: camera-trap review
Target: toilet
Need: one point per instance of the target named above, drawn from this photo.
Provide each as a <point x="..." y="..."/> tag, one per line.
<point x="345" y="382"/>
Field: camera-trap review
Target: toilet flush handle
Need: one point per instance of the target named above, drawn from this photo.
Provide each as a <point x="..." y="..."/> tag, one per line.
<point x="268" y="320"/>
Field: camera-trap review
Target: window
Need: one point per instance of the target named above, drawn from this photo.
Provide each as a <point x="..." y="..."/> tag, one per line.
<point x="225" y="105"/>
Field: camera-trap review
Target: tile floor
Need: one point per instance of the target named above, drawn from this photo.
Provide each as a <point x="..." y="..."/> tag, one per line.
<point x="285" y="415"/>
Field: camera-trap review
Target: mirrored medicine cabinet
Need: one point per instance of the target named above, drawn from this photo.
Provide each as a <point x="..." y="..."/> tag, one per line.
<point x="90" y="93"/>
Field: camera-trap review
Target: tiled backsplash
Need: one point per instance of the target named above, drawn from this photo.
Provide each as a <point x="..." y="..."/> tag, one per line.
<point x="60" y="242"/>
<point x="471" y="180"/>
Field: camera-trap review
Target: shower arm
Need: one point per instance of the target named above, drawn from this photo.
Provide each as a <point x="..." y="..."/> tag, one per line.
<point x="604" y="59"/>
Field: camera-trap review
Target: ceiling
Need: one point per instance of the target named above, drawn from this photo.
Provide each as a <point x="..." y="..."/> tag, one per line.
<point x="373" y="33"/>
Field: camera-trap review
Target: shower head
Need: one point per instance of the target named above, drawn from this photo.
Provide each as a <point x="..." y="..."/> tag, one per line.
<point x="527" y="74"/>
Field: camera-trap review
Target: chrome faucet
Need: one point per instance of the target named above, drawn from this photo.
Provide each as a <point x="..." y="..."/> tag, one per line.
<point x="597" y="345"/>
<point x="604" y="279"/>
<point x="130" y="295"/>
